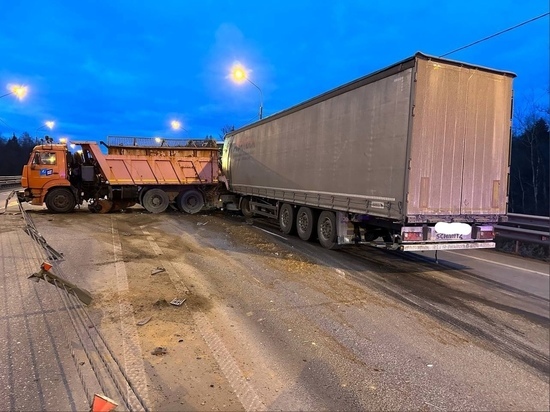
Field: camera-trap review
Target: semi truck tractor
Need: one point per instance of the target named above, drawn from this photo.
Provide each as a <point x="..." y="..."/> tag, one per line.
<point x="412" y="157"/>
<point x="153" y="175"/>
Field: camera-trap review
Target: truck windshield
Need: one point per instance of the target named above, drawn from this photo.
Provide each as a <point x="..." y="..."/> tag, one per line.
<point x="45" y="158"/>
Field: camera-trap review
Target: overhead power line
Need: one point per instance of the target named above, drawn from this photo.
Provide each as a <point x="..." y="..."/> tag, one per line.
<point x="2" y="121"/>
<point x="497" y="34"/>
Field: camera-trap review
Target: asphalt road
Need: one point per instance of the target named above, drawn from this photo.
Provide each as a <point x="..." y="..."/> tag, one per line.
<point x="271" y="322"/>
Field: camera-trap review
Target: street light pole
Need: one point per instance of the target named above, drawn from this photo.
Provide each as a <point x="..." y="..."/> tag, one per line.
<point x="261" y="97"/>
<point x="239" y="74"/>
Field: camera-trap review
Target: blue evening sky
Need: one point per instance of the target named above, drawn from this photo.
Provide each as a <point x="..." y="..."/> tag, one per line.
<point x="128" y="67"/>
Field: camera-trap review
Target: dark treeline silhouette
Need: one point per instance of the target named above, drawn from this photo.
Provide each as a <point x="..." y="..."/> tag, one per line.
<point x="530" y="169"/>
<point x="14" y="153"/>
<point x="529" y="172"/>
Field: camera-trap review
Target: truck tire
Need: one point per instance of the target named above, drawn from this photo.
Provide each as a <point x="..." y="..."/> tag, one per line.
<point x="60" y="200"/>
<point x="326" y="230"/>
<point x="287" y="219"/>
<point x="155" y="200"/>
<point x="191" y="201"/>
<point x="245" y="207"/>
<point x="305" y="223"/>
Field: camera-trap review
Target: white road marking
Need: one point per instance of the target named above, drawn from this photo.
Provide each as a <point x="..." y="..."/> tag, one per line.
<point x="133" y="357"/>
<point x="151" y="241"/>
<point x="271" y="233"/>
<point x="498" y="263"/>
<point x="244" y="391"/>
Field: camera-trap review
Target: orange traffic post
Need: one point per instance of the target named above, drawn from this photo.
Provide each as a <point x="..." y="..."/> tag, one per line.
<point x="101" y="403"/>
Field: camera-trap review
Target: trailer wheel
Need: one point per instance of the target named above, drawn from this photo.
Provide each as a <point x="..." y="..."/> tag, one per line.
<point x="305" y="223"/>
<point x="245" y="207"/>
<point x="155" y="200"/>
<point x="191" y="201"/>
<point x="326" y="230"/>
<point x="60" y="200"/>
<point x="287" y="219"/>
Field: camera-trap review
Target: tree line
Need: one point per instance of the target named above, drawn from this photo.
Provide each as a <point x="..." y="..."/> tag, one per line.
<point x="14" y="153"/>
<point x="529" y="171"/>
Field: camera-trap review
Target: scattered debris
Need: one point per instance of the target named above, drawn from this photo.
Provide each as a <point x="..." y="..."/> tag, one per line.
<point x="160" y="302"/>
<point x="144" y="321"/>
<point x="201" y="223"/>
<point x="177" y="302"/>
<point x="159" y="350"/>
<point x="157" y="270"/>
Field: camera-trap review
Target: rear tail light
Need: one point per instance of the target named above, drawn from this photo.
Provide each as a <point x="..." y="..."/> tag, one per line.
<point x="484" y="232"/>
<point x="410" y="234"/>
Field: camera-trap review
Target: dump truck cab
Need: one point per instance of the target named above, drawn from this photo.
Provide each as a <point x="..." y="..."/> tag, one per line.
<point x="45" y="178"/>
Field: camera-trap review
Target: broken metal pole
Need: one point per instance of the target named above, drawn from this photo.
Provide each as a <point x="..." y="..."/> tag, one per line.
<point x="82" y="294"/>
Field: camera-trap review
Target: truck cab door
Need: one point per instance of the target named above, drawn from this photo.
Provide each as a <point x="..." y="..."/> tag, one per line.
<point x="44" y="166"/>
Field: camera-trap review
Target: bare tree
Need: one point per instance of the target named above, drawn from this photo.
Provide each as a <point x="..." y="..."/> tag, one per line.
<point x="226" y="129"/>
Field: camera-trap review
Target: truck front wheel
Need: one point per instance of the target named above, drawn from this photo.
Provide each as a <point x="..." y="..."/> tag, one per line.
<point x="60" y="200"/>
<point x="155" y="200"/>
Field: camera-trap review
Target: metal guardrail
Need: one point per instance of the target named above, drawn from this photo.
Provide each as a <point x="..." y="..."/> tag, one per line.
<point x="9" y="181"/>
<point x="525" y="228"/>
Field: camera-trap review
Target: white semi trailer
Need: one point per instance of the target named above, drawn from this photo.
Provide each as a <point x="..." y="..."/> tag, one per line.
<point x="411" y="157"/>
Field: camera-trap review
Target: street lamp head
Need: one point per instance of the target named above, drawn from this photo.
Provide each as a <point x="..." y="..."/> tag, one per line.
<point x="238" y="73"/>
<point x="175" y="125"/>
<point x="19" y="91"/>
<point x="63" y="140"/>
<point x="47" y="124"/>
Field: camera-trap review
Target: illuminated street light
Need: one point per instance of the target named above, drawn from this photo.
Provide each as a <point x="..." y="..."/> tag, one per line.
<point x="159" y="140"/>
<point x="176" y="125"/>
<point x="18" y="90"/>
<point x="239" y="75"/>
<point x="63" y="140"/>
<point x="49" y="124"/>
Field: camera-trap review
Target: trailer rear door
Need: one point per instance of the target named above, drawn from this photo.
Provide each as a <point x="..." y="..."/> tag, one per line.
<point x="459" y="141"/>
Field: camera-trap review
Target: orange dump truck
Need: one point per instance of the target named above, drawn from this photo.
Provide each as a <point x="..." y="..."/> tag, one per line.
<point x="152" y="175"/>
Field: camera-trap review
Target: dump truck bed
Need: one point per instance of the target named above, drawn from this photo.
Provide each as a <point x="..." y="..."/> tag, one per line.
<point x="157" y="166"/>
